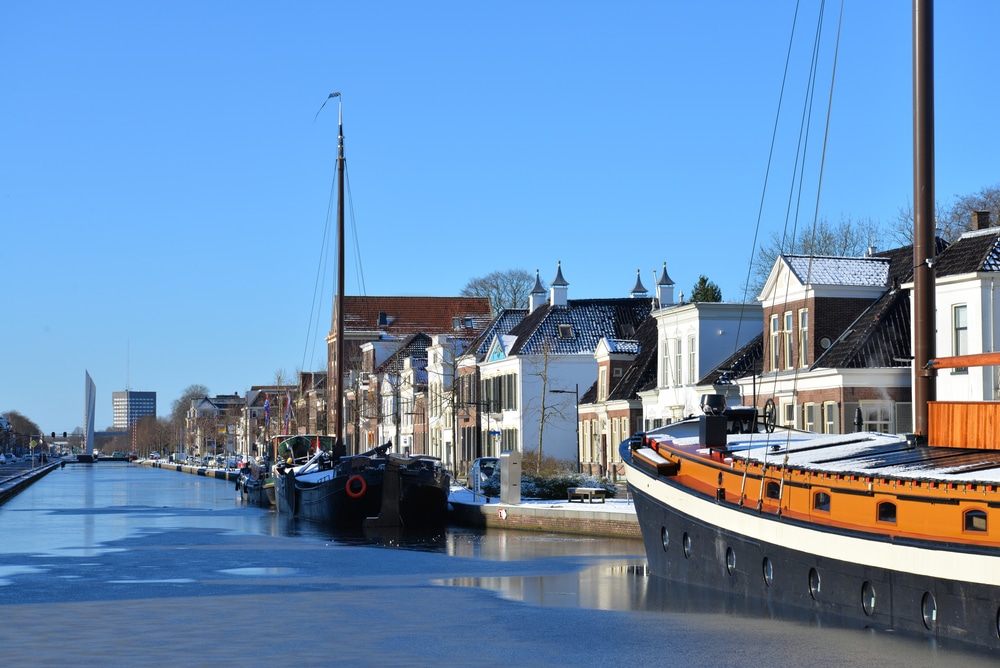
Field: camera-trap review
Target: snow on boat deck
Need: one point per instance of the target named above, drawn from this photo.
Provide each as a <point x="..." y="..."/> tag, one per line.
<point x="865" y="453"/>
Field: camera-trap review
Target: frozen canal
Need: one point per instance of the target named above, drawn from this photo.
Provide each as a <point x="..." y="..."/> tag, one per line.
<point x="114" y="564"/>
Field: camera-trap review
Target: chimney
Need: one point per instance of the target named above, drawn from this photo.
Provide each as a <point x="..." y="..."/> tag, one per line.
<point x="981" y="219"/>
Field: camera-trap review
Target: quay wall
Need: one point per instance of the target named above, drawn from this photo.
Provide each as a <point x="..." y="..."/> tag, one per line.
<point x="221" y="474"/>
<point x="12" y="485"/>
<point x="558" y="518"/>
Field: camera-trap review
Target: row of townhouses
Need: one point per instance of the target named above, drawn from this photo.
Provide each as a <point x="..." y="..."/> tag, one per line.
<point x="827" y="340"/>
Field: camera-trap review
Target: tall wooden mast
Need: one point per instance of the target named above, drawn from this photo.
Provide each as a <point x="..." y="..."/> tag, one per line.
<point x="924" y="379"/>
<point x="336" y="380"/>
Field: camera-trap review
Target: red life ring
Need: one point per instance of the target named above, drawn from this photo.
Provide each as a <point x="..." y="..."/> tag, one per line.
<point x="360" y="492"/>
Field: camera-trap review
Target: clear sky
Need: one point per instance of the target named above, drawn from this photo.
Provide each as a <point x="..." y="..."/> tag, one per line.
<point x="164" y="182"/>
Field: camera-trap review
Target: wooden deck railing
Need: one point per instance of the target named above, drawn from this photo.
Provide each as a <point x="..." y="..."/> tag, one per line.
<point x="964" y="424"/>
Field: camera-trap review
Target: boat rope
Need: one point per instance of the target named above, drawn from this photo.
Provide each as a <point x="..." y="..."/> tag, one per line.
<point x="788" y="239"/>
<point x="815" y="223"/>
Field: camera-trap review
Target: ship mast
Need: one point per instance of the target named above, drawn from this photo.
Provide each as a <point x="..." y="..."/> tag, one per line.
<point x="924" y="380"/>
<point x="336" y="380"/>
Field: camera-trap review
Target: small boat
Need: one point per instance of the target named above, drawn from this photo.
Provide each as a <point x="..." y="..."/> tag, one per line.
<point x="315" y="478"/>
<point x="253" y="482"/>
<point x="864" y="529"/>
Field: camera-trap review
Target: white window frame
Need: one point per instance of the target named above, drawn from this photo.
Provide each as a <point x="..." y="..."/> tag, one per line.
<point x="789" y="342"/>
<point x="803" y="337"/>
<point x="775" y="342"/>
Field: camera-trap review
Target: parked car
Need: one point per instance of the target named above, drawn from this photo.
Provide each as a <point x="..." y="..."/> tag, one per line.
<point x="3" y="460"/>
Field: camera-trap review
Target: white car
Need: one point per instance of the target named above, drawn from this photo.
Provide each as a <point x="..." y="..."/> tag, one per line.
<point x="3" y="460"/>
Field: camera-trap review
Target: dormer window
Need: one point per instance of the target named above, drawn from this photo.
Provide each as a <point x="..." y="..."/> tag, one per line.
<point x="565" y="331"/>
<point x="383" y="319"/>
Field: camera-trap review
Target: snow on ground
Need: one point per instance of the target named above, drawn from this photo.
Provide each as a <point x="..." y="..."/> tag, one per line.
<point x="623" y="505"/>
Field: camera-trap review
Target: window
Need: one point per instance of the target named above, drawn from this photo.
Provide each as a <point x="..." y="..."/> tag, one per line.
<point x="602" y="384"/>
<point x="773" y="490"/>
<point x="877" y="416"/>
<point x="811" y="411"/>
<point x="804" y="337"/>
<point x="692" y="362"/>
<point x="665" y="364"/>
<point x="831" y="418"/>
<point x="678" y="361"/>
<point x="775" y="343"/>
<point x="789" y="343"/>
<point x="565" y="331"/>
<point x="887" y="512"/>
<point x="960" y="333"/>
<point x="788" y="412"/>
<point x="975" y="520"/>
<point x="821" y="501"/>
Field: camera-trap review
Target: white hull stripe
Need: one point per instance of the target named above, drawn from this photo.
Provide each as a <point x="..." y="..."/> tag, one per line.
<point x="930" y="562"/>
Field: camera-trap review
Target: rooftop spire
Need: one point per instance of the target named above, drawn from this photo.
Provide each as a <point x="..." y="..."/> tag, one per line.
<point x="639" y="290"/>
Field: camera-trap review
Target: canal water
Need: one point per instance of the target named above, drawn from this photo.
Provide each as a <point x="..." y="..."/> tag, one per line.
<point x="127" y="565"/>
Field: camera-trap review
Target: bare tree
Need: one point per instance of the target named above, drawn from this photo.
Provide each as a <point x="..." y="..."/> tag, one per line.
<point x="848" y="238"/>
<point x="505" y="289"/>
<point x="546" y="411"/>
<point x="22" y="427"/>
<point x="953" y="219"/>
<point x="179" y="409"/>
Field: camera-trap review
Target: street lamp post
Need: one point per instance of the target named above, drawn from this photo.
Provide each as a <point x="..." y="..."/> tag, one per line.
<point x="576" y="406"/>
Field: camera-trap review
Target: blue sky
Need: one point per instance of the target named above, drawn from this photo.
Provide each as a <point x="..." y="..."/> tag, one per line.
<point x="164" y="185"/>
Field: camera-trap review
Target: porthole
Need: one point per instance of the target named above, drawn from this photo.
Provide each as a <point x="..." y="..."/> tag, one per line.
<point x="975" y="520"/>
<point x="730" y="560"/>
<point x="814" y="584"/>
<point x="664" y="538"/>
<point x="928" y="609"/>
<point x="868" y="598"/>
<point x="687" y="545"/>
<point x="768" y="570"/>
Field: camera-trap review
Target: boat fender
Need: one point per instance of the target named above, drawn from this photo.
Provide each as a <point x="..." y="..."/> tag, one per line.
<point x="360" y="491"/>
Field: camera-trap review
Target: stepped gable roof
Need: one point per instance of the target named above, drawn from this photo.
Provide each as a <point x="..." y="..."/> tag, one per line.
<point x="642" y="371"/>
<point x="588" y="321"/>
<point x="864" y="271"/>
<point x="747" y="361"/>
<point x="974" y="252"/>
<point x="401" y="316"/>
<point x="414" y="346"/>
<point x="499" y="326"/>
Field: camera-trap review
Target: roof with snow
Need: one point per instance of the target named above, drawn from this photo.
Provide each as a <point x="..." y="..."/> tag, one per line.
<point x="860" y="271"/>
<point x="577" y="328"/>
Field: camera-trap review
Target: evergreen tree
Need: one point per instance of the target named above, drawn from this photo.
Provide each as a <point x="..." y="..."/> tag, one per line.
<point x="705" y="291"/>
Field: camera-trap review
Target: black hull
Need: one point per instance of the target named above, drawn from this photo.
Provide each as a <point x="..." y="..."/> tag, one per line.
<point x="692" y="552"/>
<point x="327" y="502"/>
<point x="422" y="502"/>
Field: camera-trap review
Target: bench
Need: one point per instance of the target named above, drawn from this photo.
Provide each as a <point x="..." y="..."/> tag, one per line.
<point x="588" y="493"/>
